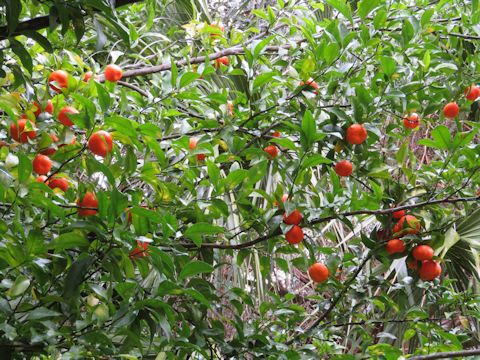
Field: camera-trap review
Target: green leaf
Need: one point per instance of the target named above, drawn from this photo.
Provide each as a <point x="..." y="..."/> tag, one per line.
<point x="20" y="285"/>
<point x="366" y="6"/>
<point x="194" y="268"/>
<point x="42" y="40"/>
<point x="342" y="7"/>
<point x="213" y="173"/>
<point x="25" y="167"/>
<point x="76" y="274"/>
<point x="271" y="15"/>
<point x="388" y="65"/>
<point x="441" y="135"/>
<point x="426" y="16"/>
<point x="13" y="9"/>
<point x="314" y="160"/>
<point x="331" y="52"/>
<point x="309" y="130"/>
<point x="42" y="313"/>
<point x="69" y="240"/>
<point x="23" y="54"/>
<point x="187" y="78"/>
<point x="262" y="79"/>
<point x="103" y="97"/>
<point x="260" y="14"/>
<point x="174" y="72"/>
<point x="123" y="125"/>
<point x="196" y="231"/>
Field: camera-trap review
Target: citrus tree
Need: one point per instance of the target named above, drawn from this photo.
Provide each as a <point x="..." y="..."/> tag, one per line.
<point x="189" y="180"/>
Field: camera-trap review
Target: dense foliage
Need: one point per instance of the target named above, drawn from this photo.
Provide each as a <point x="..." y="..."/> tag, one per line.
<point x="158" y="231"/>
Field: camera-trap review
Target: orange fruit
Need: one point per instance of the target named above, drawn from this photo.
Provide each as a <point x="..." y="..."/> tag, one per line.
<point x="276" y="134"/>
<point x="294" y="218"/>
<point x="223" y="60"/>
<point x="63" y="117"/>
<point x="88" y="75"/>
<point x="412" y="264"/>
<point x="193" y="144"/>
<point x="472" y="93"/>
<point x="344" y="168"/>
<point x="272" y="151"/>
<point x="48" y="108"/>
<point x="294" y="235"/>
<point x="398" y="214"/>
<point x="219" y="27"/>
<point x="42" y="179"/>
<point x="311" y="83"/>
<point x="395" y="246"/>
<point x="356" y="134"/>
<point x="72" y="143"/>
<point x="61" y="77"/>
<point x="89" y="200"/>
<point x="429" y="270"/>
<point x="412" y="121"/>
<point x="451" y="110"/>
<point x="139" y="251"/>
<point x="113" y="73"/>
<point x="49" y="151"/>
<point x="24" y="135"/>
<point x="318" y="272"/>
<point x="230" y="108"/>
<point x="100" y="143"/>
<point x="413" y="225"/>
<point x="42" y="164"/>
<point x="423" y="252"/>
<point x="59" y="183"/>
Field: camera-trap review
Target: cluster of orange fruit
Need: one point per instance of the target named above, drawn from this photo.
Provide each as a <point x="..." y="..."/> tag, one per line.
<point x="100" y="143"/>
<point x="450" y="110"/>
<point x="409" y="224"/>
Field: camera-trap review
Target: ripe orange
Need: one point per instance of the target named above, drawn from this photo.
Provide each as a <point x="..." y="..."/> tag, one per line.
<point x="429" y="270"/>
<point x="412" y="264"/>
<point x="48" y="108"/>
<point x="311" y="83"/>
<point x="294" y="235"/>
<point x="72" y="143"/>
<point x="61" y="77"/>
<point x="219" y="27"/>
<point x="24" y="135"/>
<point x="356" y="134"/>
<point x="223" y="60"/>
<point x="451" y="110"/>
<point x="193" y="144"/>
<point x="59" y="183"/>
<point x="42" y="164"/>
<point x="99" y="142"/>
<point x="344" y="168"/>
<point x="276" y="134"/>
<point x="89" y="200"/>
<point x="318" y="272"/>
<point x="398" y="214"/>
<point x="395" y="246"/>
<point x="88" y="75"/>
<point x="423" y="252"/>
<point x="42" y="179"/>
<point x="49" y="151"/>
<point x="139" y="251"/>
<point x="412" y="121"/>
<point x="272" y="151"/>
<point x="113" y="72"/>
<point x="63" y="117"/>
<point x="413" y="226"/>
<point x="472" y="93"/>
<point x="294" y="218"/>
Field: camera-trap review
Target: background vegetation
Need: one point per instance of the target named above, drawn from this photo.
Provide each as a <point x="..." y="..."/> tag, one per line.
<point x="202" y="270"/>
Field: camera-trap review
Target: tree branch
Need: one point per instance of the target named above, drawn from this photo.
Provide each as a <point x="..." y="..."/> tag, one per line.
<point x="43" y="22"/>
<point x="447" y="354"/>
